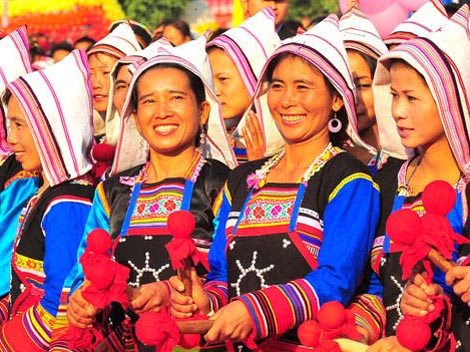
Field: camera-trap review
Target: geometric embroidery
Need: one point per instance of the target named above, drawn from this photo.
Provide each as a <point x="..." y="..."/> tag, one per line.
<point x="146" y="269"/>
<point x="258" y="272"/>
<point x="396" y="306"/>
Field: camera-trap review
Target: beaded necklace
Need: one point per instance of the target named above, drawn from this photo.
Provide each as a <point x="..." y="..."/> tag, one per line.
<point x="258" y="178"/>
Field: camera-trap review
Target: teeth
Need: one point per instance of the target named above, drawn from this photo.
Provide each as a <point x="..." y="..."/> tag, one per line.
<point x="165" y="128"/>
<point x="292" y="118"/>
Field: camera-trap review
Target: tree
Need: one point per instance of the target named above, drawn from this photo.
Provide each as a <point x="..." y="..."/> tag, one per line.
<point x="151" y="12"/>
<point x="312" y="8"/>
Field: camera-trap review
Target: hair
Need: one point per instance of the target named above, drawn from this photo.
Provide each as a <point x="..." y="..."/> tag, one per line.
<point x="181" y="26"/>
<point x="85" y="39"/>
<point x="195" y="82"/>
<point x="403" y="62"/>
<point x="66" y="46"/>
<point x="371" y="62"/>
<point x="338" y="138"/>
<point x="140" y="31"/>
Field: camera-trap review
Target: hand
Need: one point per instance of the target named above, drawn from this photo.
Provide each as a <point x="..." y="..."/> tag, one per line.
<point x="148" y="297"/>
<point x="232" y="322"/>
<point x="185" y="306"/>
<point x="80" y="312"/>
<point x="387" y="344"/>
<point x="415" y="300"/>
<point x="459" y="276"/>
<point x="254" y="137"/>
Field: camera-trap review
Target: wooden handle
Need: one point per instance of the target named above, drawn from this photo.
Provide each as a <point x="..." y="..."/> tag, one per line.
<point x="200" y="327"/>
<point x="438" y="260"/>
<point x="185" y="277"/>
<point x="347" y="345"/>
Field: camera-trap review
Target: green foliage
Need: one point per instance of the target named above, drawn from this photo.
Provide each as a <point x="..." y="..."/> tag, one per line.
<point x="151" y="12"/>
<point x="312" y="8"/>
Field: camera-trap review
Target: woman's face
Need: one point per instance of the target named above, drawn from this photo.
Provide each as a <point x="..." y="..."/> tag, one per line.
<point x="300" y="101"/>
<point x="413" y="108"/>
<point x="168" y="115"/>
<point x="121" y="86"/>
<point x="365" y="98"/>
<point x="228" y="85"/>
<point x="21" y="139"/>
<point x="100" y="69"/>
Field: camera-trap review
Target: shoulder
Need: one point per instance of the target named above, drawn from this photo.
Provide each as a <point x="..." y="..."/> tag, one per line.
<point x="239" y="175"/>
<point x="345" y="165"/>
<point x="215" y="168"/>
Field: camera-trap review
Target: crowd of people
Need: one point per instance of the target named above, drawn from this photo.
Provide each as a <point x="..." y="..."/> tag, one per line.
<point x="292" y="147"/>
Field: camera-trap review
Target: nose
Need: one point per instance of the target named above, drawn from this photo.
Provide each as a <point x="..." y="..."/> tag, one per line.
<point x="11" y="137"/>
<point x="97" y="80"/>
<point x="289" y="98"/>
<point x="398" y="109"/>
<point x="162" y="110"/>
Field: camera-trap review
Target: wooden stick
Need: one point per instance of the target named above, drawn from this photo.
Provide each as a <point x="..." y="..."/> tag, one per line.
<point x="438" y="260"/>
<point x="185" y="277"/>
<point x="200" y="327"/>
<point x="348" y="345"/>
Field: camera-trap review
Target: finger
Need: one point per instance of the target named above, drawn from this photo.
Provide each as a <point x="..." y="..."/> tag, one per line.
<point x="460" y="288"/>
<point x="466" y="297"/>
<point x="247" y="138"/>
<point x="176" y="284"/>
<point x="255" y="129"/>
<point x="419" y="280"/>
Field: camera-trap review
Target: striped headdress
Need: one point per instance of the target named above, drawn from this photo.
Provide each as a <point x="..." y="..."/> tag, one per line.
<point x="249" y="46"/>
<point x="132" y="149"/>
<point x="360" y="34"/>
<point x="323" y="47"/>
<point x="14" y="62"/>
<point x="442" y="59"/>
<point x="134" y="60"/>
<point x="428" y="18"/>
<point x="57" y="105"/>
<point x="119" y="43"/>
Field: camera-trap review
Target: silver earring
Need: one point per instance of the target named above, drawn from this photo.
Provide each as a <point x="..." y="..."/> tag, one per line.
<point x="202" y="137"/>
<point x="335" y="125"/>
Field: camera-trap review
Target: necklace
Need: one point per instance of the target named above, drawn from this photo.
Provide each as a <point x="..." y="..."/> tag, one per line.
<point x="406" y="187"/>
<point x="258" y="178"/>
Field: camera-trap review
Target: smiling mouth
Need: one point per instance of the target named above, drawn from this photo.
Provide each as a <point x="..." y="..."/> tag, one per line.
<point x="165" y="128"/>
<point x="290" y="119"/>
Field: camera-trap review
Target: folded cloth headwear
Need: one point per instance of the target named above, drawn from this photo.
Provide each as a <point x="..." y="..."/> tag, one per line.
<point x="429" y="17"/>
<point x="132" y="149"/>
<point x="14" y="62"/>
<point x="57" y="105"/>
<point x="119" y="43"/>
<point x="359" y="33"/>
<point x="323" y="47"/>
<point x="441" y="57"/>
<point x="143" y="34"/>
<point x="249" y="46"/>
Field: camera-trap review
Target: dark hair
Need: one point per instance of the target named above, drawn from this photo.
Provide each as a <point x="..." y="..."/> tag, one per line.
<point x="371" y="62"/>
<point x="85" y="39"/>
<point x="195" y="82"/>
<point x="140" y="31"/>
<point x="403" y="62"/>
<point x="337" y="139"/>
<point x="181" y="26"/>
<point x="66" y="46"/>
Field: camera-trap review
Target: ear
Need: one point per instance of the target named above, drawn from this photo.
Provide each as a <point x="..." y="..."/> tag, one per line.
<point x="337" y="103"/>
<point x="205" y="109"/>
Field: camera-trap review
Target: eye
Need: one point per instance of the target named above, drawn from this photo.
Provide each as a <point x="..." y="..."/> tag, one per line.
<point x="275" y="86"/>
<point x="411" y="98"/>
<point x="363" y="86"/>
<point x="121" y="86"/>
<point x="394" y="95"/>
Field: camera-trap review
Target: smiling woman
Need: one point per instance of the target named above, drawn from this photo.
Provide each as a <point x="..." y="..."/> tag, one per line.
<point x="168" y="105"/>
<point x="285" y="236"/>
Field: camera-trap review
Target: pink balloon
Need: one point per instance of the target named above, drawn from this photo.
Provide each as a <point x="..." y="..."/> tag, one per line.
<point x="369" y="7"/>
<point x="412" y="5"/>
<point x="387" y="20"/>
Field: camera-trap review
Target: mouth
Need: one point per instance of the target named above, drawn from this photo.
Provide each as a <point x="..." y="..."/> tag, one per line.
<point x="291" y="119"/>
<point x="165" y="129"/>
<point x="404" y="131"/>
<point x="100" y="97"/>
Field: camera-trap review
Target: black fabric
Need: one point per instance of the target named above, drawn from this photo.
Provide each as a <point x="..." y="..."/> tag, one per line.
<point x="8" y="169"/>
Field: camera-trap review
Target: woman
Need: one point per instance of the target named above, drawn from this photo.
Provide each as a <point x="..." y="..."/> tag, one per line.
<point x="50" y="115"/>
<point x="237" y="57"/>
<point x="419" y="73"/>
<point x="364" y="46"/>
<point x="167" y="105"/>
<point x="17" y="186"/>
<point x="281" y="248"/>
<point x="102" y="57"/>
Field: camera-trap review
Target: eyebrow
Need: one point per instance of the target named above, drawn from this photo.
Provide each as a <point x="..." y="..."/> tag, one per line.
<point x="120" y="81"/>
<point x="305" y="81"/>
